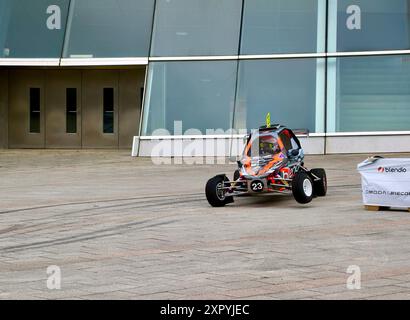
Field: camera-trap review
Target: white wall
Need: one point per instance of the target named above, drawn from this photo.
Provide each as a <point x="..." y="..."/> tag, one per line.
<point x="209" y="147"/>
<point x="371" y="144"/>
<point x="367" y="144"/>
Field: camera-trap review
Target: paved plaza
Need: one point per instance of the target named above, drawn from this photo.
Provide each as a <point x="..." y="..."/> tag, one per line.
<point x="122" y="228"/>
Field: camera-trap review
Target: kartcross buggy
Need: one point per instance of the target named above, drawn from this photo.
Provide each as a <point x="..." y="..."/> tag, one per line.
<point x="272" y="162"/>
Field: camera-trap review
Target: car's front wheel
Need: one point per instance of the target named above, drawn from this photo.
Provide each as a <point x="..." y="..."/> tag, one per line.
<point x="302" y="187"/>
<point x="215" y="192"/>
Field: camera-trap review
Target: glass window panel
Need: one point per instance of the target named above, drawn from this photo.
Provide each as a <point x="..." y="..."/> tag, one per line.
<point x="34" y="110"/>
<point x="283" y="26"/>
<point x="365" y="25"/>
<point x="292" y="90"/>
<point x="32" y="29"/>
<point x="108" y="110"/>
<point x="373" y="94"/>
<point x="200" y="94"/>
<point x="71" y="110"/>
<point x="109" y="28"/>
<point x="196" y="27"/>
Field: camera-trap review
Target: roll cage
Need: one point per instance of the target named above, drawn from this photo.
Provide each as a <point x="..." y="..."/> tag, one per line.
<point x="288" y="138"/>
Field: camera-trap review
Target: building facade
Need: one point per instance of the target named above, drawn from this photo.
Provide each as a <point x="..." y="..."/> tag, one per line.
<point x="122" y="73"/>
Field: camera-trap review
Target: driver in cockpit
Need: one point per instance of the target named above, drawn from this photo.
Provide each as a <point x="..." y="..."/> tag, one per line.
<point x="268" y="145"/>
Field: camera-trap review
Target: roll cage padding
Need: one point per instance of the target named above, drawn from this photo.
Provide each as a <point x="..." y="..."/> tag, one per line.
<point x="291" y="136"/>
<point x="279" y="129"/>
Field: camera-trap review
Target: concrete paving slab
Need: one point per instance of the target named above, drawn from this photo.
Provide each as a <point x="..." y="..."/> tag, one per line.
<point x="123" y="228"/>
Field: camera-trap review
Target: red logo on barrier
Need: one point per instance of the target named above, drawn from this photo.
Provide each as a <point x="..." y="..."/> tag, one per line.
<point x="391" y="170"/>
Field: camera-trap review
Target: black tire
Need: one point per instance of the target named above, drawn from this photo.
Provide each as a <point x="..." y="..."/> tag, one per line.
<point x="236" y="175"/>
<point x="215" y="197"/>
<point x="302" y="187"/>
<point x="320" y="186"/>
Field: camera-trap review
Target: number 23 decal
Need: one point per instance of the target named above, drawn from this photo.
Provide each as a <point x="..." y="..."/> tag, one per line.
<point x="257" y="186"/>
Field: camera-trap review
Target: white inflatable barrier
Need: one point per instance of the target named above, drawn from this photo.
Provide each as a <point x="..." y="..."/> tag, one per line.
<point x="385" y="182"/>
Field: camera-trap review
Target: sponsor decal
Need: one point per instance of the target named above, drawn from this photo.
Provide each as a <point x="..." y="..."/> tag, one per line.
<point x="391" y="170"/>
<point x="388" y="193"/>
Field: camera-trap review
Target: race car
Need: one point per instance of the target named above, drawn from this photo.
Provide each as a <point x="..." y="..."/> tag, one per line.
<point x="272" y="162"/>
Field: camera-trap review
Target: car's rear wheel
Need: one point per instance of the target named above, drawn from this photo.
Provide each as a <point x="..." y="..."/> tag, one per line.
<point x="320" y="186"/>
<point x="302" y="187"/>
<point x="215" y="194"/>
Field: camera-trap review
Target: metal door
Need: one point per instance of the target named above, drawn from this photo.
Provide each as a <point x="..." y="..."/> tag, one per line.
<point x="63" y="109"/>
<point x="26" y="109"/>
<point x="130" y="98"/>
<point x="4" y="97"/>
<point x="100" y="109"/>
